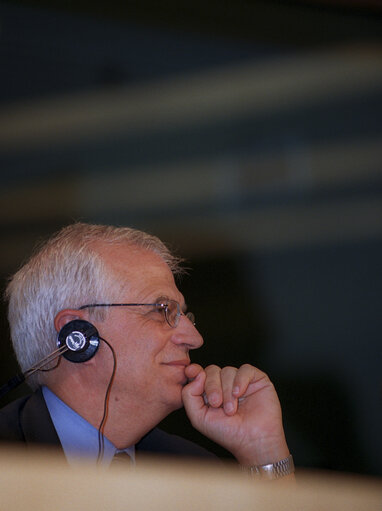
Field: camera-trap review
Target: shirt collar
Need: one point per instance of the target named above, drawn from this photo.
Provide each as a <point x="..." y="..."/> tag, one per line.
<point x="79" y="439"/>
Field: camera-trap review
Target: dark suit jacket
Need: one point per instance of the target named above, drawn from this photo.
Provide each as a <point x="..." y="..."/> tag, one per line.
<point x="27" y="421"/>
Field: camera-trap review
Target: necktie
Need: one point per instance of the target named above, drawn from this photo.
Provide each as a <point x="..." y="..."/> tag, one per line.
<point x="121" y="460"/>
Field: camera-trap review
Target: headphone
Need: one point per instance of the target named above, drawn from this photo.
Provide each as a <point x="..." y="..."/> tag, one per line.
<point x="79" y="340"/>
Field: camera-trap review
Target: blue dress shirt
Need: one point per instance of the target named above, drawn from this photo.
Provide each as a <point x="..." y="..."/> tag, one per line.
<point x="78" y="438"/>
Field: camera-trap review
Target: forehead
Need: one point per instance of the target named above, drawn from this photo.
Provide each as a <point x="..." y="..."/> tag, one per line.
<point x="139" y="272"/>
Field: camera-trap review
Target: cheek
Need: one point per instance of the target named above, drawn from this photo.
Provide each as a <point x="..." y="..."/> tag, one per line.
<point x="137" y="344"/>
<point x="139" y="352"/>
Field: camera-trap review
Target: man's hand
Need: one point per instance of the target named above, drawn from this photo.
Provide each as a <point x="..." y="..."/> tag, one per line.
<point x="238" y="409"/>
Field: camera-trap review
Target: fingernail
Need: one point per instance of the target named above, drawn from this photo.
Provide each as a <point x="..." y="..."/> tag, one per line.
<point x="213" y="398"/>
<point x="229" y="407"/>
<point x="236" y="390"/>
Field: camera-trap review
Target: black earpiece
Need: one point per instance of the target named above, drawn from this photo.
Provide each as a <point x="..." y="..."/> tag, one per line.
<point x="77" y="341"/>
<point x="81" y="338"/>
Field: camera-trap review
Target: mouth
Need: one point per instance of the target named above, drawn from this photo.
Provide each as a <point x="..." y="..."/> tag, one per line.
<point x="178" y="369"/>
<point x="178" y="363"/>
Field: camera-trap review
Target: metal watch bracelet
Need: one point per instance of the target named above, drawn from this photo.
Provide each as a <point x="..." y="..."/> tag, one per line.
<point x="272" y="471"/>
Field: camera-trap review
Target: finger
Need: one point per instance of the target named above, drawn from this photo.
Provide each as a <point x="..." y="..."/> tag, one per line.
<point x="195" y="387"/>
<point x="192" y="396"/>
<point x="245" y="375"/>
<point x="228" y="375"/>
<point x="193" y="370"/>
<point x="213" y="386"/>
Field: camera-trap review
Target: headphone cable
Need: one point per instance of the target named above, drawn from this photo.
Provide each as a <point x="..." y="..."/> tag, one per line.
<point x="101" y="428"/>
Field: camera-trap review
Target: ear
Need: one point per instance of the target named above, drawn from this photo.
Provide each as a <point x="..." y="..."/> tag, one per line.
<point x="66" y="315"/>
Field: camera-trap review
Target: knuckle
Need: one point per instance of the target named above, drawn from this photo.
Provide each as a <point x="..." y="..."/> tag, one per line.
<point x="212" y="368"/>
<point x="247" y="367"/>
<point x="228" y="370"/>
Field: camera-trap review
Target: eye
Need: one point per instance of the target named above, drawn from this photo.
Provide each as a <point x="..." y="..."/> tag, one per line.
<point x="158" y="311"/>
<point x="162" y="303"/>
<point x="161" y="308"/>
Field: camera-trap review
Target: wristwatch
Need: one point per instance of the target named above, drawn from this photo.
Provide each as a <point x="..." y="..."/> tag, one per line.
<point x="272" y="470"/>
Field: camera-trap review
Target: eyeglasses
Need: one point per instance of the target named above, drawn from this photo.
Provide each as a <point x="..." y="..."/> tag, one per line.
<point x="170" y="308"/>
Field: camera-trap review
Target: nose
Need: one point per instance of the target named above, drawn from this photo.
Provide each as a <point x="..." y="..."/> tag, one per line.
<point x="186" y="333"/>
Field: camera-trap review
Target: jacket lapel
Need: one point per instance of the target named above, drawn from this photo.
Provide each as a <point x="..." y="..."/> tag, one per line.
<point x="36" y="424"/>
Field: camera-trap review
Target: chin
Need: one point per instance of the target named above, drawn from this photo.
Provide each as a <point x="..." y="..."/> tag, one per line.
<point x="174" y="399"/>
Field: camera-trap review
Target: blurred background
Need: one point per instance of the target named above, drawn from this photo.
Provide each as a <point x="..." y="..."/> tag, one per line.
<point x="247" y="135"/>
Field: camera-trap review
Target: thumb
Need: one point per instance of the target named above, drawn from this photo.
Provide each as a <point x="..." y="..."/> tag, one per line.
<point x="192" y="395"/>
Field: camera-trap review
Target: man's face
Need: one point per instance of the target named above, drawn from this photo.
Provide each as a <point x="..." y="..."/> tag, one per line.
<point x="151" y="356"/>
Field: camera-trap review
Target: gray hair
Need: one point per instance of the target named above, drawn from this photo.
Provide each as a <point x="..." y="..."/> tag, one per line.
<point x="66" y="272"/>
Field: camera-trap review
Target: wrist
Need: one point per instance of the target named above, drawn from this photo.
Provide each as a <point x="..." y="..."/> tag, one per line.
<point x="263" y="452"/>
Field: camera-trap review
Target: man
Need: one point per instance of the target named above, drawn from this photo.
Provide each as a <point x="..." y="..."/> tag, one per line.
<point x="122" y="281"/>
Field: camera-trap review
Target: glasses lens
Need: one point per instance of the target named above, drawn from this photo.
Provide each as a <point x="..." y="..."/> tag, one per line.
<point x="172" y="313"/>
<point x="191" y="317"/>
